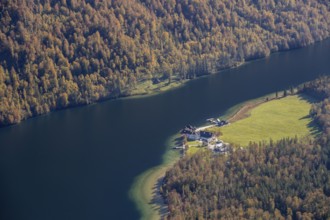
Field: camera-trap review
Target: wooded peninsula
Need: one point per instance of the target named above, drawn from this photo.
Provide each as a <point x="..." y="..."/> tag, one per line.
<point x="56" y="54"/>
<point x="286" y="179"/>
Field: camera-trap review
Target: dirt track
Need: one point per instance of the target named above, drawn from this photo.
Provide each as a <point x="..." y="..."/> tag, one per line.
<point x="244" y="112"/>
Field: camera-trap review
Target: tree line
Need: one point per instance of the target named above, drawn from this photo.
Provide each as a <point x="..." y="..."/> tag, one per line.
<point x="55" y="54"/>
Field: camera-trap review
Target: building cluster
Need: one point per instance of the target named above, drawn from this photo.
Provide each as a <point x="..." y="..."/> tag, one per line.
<point x="193" y="134"/>
<point x="207" y="139"/>
<point x="217" y="122"/>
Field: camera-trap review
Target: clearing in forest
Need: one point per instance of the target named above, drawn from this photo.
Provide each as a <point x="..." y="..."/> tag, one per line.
<point x="276" y="119"/>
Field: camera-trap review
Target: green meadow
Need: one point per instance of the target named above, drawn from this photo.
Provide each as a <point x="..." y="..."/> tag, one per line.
<point x="276" y="119"/>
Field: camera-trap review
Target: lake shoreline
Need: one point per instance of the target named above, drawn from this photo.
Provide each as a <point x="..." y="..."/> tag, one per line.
<point x="162" y="86"/>
<point x="145" y="192"/>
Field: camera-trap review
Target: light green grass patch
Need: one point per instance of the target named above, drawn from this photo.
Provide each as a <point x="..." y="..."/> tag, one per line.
<point x="194" y="147"/>
<point x="286" y="117"/>
<point x="148" y="88"/>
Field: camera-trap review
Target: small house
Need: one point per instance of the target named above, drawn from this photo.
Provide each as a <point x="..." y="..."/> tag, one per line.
<point x="190" y="132"/>
<point x="221" y="147"/>
<point x="222" y="123"/>
<point x="206" y="136"/>
<point x="219" y="144"/>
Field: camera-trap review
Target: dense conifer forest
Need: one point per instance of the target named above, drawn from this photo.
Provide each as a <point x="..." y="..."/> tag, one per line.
<point x="55" y="54"/>
<point x="289" y="179"/>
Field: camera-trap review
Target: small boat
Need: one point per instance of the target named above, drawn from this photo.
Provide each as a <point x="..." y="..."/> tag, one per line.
<point x="177" y="147"/>
<point x="211" y="120"/>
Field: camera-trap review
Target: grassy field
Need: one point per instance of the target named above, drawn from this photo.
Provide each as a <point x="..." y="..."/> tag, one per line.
<point x="286" y="117"/>
<point x="148" y="88"/>
<point x="194" y="146"/>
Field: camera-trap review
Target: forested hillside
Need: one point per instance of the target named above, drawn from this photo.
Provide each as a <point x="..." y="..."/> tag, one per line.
<point x="289" y="179"/>
<point x="55" y="54"/>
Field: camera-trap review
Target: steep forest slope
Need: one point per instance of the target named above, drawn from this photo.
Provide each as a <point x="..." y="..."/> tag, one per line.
<point x="289" y="179"/>
<point x="55" y="54"/>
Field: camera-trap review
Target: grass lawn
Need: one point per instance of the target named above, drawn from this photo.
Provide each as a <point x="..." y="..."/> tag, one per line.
<point x="148" y="88"/>
<point x="193" y="148"/>
<point x="286" y="117"/>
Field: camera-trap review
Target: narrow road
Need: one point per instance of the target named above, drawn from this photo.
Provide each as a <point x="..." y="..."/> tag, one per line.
<point x="205" y="127"/>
